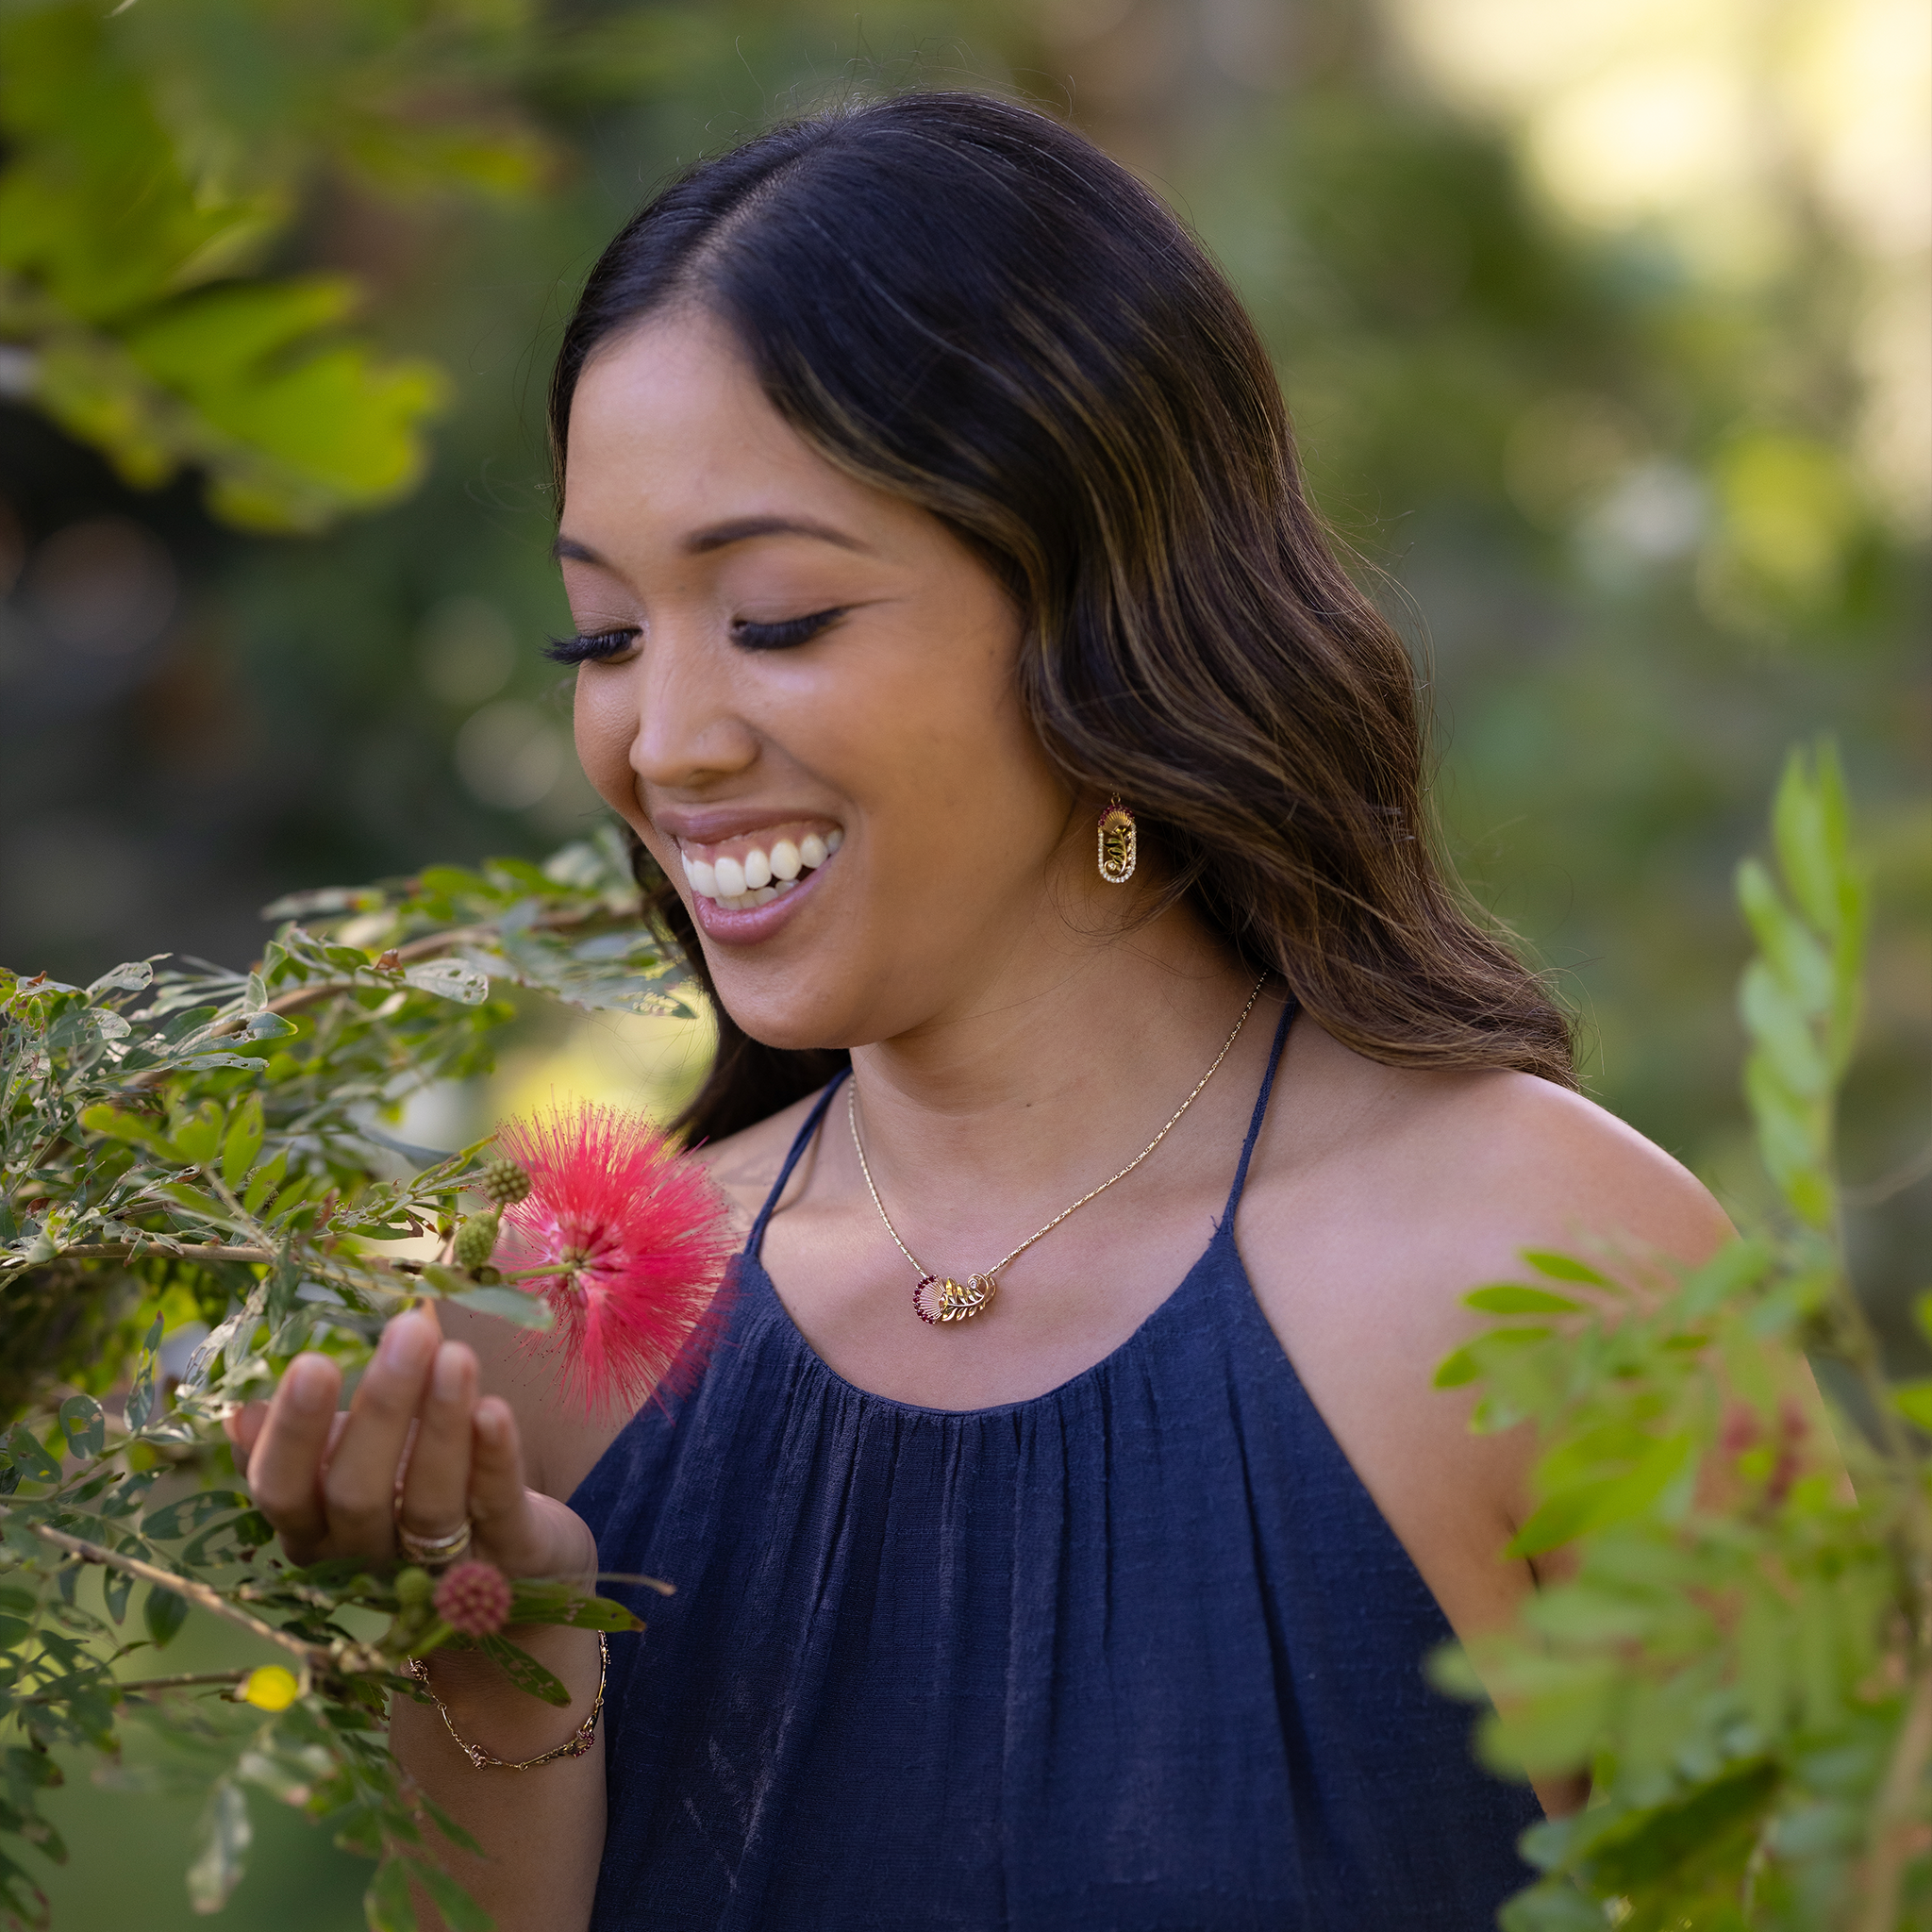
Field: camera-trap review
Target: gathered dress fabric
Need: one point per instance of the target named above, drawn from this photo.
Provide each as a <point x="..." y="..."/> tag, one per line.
<point x="1139" y="1655"/>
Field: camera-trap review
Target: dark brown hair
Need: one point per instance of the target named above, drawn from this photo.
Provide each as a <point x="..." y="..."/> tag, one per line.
<point x="965" y="303"/>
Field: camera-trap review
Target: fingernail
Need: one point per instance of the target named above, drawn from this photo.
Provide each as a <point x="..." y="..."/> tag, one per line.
<point x="404" y="1345"/>
<point x="447" y="1381"/>
<point x="306" y="1385"/>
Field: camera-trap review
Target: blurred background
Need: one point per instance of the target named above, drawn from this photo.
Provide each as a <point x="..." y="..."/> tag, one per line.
<point x="1605" y="324"/>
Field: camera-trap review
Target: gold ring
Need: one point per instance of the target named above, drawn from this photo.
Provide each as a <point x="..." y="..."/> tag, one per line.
<point x="435" y="1550"/>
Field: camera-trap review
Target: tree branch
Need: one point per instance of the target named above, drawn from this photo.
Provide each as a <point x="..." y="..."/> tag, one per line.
<point x="197" y="1593"/>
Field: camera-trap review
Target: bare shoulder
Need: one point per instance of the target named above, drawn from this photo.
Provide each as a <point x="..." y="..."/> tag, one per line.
<point x="1380" y="1196"/>
<point x="746" y="1163"/>
<point x="1438" y="1178"/>
<point x="560" y="1445"/>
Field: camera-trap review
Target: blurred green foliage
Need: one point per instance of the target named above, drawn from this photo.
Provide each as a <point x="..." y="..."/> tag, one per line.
<point x="1742" y="1661"/>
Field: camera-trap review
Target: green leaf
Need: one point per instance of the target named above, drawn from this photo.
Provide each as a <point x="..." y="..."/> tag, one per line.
<point x="1809" y="827"/>
<point x="163" y="1611"/>
<point x="116" y="1126"/>
<point x="84" y="1426"/>
<point x="1468" y="1363"/>
<point x="197" y="1135"/>
<point x="1585" y="1506"/>
<point x="1781" y="1027"/>
<point x="1802" y="965"/>
<point x="1738" y="1265"/>
<point x="1512" y="1298"/>
<point x="264" y="1182"/>
<point x="187" y="1514"/>
<point x="525" y="1671"/>
<point x="456" y="1834"/>
<point x="1565" y="1268"/>
<point x="1714" y="1828"/>
<point x="25" y="1451"/>
<point x="1913" y="1400"/>
<point x="509" y="1304"/>
<point x="242" y="1142"/>
<point x="460" y="1912"/>
<point x="387" y="1905"/>
<point x="221" y="1841"/>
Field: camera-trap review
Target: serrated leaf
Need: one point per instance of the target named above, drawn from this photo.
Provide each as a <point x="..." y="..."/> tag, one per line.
<point x="220" y="1840"/>
<point x="1513" y="1298"/>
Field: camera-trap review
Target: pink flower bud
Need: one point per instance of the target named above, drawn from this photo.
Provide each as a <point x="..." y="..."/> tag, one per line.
<point x="474" y="1598"/>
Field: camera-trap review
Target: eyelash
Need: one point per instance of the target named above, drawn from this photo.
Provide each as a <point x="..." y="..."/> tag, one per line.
<point x="592" y="646"/>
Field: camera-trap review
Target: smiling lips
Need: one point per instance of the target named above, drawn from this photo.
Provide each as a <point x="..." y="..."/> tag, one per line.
<point x="739" y="875"/>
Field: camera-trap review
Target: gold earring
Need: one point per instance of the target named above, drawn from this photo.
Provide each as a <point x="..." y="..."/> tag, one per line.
<point x="1120" y="843"/>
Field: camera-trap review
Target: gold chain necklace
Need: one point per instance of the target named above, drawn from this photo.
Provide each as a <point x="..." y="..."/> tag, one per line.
<point x="959" y="1301"/>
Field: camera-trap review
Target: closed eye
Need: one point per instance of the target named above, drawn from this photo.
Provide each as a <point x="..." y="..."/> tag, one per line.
<point x="784" y="635"/>
<point x="589" y="647"/>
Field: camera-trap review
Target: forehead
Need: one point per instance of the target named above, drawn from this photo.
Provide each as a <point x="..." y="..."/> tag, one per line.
<point x="669" y="417"/>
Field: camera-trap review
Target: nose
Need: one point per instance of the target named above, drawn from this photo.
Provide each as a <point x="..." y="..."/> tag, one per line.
<point x="689" y="730"/>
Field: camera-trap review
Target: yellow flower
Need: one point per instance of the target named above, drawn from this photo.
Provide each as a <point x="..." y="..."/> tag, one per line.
<point x="271" y="1688"/>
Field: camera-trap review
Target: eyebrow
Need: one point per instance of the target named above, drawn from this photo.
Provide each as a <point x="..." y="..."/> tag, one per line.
<point x="721" y="536"/>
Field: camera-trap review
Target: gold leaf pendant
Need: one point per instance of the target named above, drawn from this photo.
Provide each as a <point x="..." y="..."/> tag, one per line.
<point x="953" y="1301"/>
<point x="1120" y="845"/>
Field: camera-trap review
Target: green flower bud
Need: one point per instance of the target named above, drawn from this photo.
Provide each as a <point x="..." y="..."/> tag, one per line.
<point x="476" y="1241"/>
<point x="504" y="1181"/>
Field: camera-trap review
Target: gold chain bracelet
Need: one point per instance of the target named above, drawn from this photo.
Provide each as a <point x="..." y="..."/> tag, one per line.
<point x="573" y="1746"/>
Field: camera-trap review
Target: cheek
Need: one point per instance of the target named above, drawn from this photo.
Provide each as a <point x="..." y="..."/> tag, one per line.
<point x="604" y="723"/>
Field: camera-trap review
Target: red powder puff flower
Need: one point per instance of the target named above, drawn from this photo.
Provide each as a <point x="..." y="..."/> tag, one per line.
<point x="640" y="1241"/>
<point x="474" y="1598"/>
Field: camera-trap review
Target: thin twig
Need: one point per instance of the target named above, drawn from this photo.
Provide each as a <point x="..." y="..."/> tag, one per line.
<point x="141" y="1687"/>
<point x="184" y="1251"/>
<point x="1875" y="1193"/>
<point x="197" y="1593"/>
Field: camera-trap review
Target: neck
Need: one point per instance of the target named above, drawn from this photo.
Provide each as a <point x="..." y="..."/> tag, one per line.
<point x="1055" y="1065"/>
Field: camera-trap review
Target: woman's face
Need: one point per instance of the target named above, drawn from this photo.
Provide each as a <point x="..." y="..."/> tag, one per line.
<point x="800" y="692"/>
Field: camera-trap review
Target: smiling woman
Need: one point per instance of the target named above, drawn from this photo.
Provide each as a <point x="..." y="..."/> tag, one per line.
<point x="930" y="515"/>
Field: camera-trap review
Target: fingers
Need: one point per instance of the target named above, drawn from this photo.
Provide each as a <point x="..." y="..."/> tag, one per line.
<point x="359" y="1485"/>
<point x="499" y="1503"/>
<point x="436" y="1492"/>
<point x="285" y="1466"/>
<point x="243" y="1427"/>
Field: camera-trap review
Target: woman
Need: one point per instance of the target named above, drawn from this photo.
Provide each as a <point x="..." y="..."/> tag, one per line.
<point x="957" y="641"/>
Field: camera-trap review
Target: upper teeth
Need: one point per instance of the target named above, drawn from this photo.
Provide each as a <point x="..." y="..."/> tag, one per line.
<point x="759" y="875"/>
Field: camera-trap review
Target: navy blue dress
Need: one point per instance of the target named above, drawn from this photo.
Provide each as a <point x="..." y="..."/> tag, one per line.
<point x="1140" y="1655"/>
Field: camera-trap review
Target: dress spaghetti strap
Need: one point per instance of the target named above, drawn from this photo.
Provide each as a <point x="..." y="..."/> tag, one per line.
<point x="754" y="1241"/>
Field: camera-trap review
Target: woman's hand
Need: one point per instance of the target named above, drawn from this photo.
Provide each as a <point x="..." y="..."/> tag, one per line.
<point x="417" y="1448"/>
